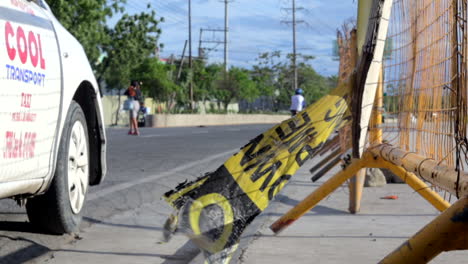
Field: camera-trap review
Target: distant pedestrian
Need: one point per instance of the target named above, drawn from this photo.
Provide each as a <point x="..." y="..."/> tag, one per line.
<point x="142" y="115"/>
<point x="134" y="93"/>
<point x="297" y="102"/>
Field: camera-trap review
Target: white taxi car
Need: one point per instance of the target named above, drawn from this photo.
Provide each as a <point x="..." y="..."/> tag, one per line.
<point x="53" y="143"/>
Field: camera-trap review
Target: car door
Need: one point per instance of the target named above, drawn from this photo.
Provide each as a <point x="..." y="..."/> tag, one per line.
<point x="30" y="91"/>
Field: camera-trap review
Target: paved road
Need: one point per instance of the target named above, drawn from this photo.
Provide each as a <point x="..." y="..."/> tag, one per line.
<point x="141" y="169"/>
<point x="125" y="215"/>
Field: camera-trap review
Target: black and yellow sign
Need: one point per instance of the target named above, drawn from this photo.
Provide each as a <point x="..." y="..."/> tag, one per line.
<point x="216" y="208"/>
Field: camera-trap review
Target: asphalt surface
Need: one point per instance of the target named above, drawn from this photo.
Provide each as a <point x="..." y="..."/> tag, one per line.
<point x="140" y="170"/>
<point x="124" y="217"/>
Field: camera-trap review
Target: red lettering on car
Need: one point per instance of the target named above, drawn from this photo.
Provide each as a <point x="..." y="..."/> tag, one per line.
<point x="19" y="145"/>
<point x="22" y="6"/>
<point x="27" y="48"/>
<point x="26" y="100"/>
<point x="21" y="44"/>
<point x="40" y="52"/>
<point x="33" y="52"/>
<point x="9" y="33"/>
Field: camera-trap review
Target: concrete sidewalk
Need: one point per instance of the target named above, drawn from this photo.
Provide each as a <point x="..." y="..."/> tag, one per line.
<point x="329" y="234"/>
<point x="131" y="237"/>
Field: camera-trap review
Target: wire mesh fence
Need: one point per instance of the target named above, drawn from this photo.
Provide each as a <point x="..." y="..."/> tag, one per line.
<point x="424" y="84"/>
<point x="421" y="78"/>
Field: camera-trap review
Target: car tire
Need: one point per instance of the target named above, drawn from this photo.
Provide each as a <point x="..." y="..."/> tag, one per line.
<point x="59" y="209"/>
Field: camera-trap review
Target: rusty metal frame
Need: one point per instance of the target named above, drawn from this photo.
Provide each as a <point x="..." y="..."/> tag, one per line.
<point x="447" y="232"/>
<point x="368" y="160"/>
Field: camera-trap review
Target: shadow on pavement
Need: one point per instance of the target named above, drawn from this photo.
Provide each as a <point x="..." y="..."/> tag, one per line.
<point x="128" y="254"/>
<point x="100" y="222"/>
<point x="335" y="212"/>
<point x="336" y="237"/>
<point x="319" y="209"/>
<point x="23" y="227"/>
<point x="36" y="250"/>
<point x="25" y="254"/>
<point x="189" y="251"/>
<point x="325" y="210"/>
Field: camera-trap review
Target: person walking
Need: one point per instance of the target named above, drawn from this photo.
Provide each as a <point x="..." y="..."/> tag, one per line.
<point x="134" y="93"/>
<point x="297" y="102"/>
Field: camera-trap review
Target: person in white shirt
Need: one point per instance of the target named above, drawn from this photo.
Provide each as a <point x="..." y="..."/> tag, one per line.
<point x="297" y="102"/>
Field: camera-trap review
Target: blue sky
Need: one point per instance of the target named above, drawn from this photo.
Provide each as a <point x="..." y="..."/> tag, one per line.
<point x="255" y="27"/>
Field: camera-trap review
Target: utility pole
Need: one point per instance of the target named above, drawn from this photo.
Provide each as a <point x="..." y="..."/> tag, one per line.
<point x="226" y="30"/>
<point x="190" y="52"/>
<point x="294" y="22"/>
<point x="213" y="40"/>
<point x="294" y="45"/>
<point x="199" y="44"/>
<point x="182" y="61"/>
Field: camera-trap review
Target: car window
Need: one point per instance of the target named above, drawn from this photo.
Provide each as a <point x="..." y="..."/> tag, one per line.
<point x="38" y="2"/>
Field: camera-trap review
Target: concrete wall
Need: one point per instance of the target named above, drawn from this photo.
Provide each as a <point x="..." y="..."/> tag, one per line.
<point x="179" y="120"/>
<point x="112" y="107"/>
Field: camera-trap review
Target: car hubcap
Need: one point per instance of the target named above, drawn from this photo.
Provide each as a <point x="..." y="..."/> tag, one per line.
<point x="77" y="167"/>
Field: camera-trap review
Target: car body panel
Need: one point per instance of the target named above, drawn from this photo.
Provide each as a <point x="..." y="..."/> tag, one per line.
<point x="76" y="70"/>
<point x="43" y="67"/>
<point x="31" y="91"/>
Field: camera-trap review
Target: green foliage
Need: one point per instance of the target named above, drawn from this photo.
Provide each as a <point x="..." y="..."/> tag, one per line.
<point x="124" y="51"/>
<point x="86" y="20"/>
<point x="273" y="75"/>
<point x="246" y="86"/>
<point x="264" y="73"/>
<point x="123" y="47"/>
<point x="236" y="85"/>
<point x="157" y="80"/>
<point x="204" y="81"/>
<point x="133" y="39"/>
<point x="315" y="86"/>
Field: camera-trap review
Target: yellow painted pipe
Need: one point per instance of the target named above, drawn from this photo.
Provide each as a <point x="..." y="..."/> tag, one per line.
<point x="364" y="9"/>
<point x="416" y="184"/>
<point x="314" y="198"/>
<point x="449" y="231"/>
<point x="356" y="187"/>
<point x="356" y="183"/>
<point x="375" y="134"/>
<point x="443" y="176"/>
<point x="368" y="160"/>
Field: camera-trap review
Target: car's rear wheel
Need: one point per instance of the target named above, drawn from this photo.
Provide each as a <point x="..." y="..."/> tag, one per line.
<point x="59" y="209"/>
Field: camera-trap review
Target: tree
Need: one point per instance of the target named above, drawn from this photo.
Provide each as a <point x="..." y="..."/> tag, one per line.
<point x="273" y="73"/>
<point x="157" y="79"/>
<point x="205" y="77"/>
<point x="315" y="86"/>
<point x="236" y="85"/>
<point x="124" y="46"/>
<point x="248" y="89"/>
<point x="86" y="20"/>
<point x="133" y="39"/>
<point x="264" y="73"/>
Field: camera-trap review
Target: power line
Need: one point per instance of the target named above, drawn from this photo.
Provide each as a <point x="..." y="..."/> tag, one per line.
<point x="294" y="22"/>
<point x="174" y="13"/>
<point x="190" y="52"/>
<point x="203" y="51"/>
<point x="226" y="32"/>
<point x="260" y="9"/>
<point x="171" y="15"/>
